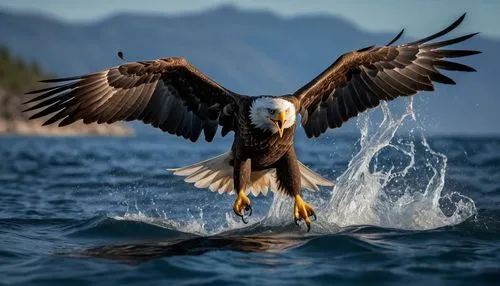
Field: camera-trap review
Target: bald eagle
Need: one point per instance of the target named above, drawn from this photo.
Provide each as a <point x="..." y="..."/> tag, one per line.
<point x="171" y="94"/>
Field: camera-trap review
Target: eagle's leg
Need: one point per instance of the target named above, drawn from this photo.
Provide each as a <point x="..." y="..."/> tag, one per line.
<point x="303" y="210"/>
<point x="288" y="173"/>
<point x="241" y="177"/>
<point x="242" y="205"/>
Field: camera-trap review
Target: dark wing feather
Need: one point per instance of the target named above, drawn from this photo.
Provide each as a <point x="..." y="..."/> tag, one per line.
<point x="169" y="94"/>
<point x="359" y="80"/>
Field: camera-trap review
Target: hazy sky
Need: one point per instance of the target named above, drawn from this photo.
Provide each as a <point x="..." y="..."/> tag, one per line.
<point x="419" y="16"/>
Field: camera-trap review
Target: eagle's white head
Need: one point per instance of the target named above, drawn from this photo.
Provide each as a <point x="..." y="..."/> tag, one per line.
<point x="273" y="114"/>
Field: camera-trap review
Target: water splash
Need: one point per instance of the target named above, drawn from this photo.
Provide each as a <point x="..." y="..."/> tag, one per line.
<point x="192" y="226"/>
<point x="407" y="194"/>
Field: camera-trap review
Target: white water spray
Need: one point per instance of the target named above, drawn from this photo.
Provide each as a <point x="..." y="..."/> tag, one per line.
<point x="394" y="194"/>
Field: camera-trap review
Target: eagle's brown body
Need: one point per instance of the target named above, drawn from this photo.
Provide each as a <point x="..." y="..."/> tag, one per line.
<point x="264" y="148"/>
<point x="254" y="150"/>
<point x="173" y="95"/>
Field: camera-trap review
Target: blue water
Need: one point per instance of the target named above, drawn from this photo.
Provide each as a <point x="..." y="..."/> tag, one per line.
<point x="406" y="209"/>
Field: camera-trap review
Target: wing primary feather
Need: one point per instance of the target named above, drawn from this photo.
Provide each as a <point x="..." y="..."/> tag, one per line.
<point x="448" y="42"/>
<point x="146" y="114"/>
<point x="356" y="99"/>
<point x="92" y="108"/>
<point x="401" y="82"/>
<point x="131" y="104"/>
<point x="433" y="74"/>
<point x="51" y="109"/>
<point x="365" y="49"/>
<point x="361" y="92"/>
<point x="456" y="53"/>
<point x="307" y="129"/>
<point x="196" y="129"/>
<point x="123" y="105"/>
<point x="371" y="92"/>
<point x="210" y="129"/>
<point x="336" y="114"/>
<point x="65" y="113"/>
<point x="61" y="79"/>
<point x="322" y="118"/>
<point x="143" y="101"/>
<point x="100" y="105"/>
<point x="107" y="108"/>
<point x="413" y="83"/>
<point x="52" y="91"/>
<point x="71" y="118"/>
<point x="61" y="114"/>
<point x="54" y="118"/>
<point x="165" y="111"/>
<point x="440" y="33"/>
<point x="375" y="87"/>
<point x="329" y="112"/>
<point x="110" y="106"/>
<point x="86" y="91"/>
<point x="175" y="117"/>
<point x="398" y="87"/>
<point x="396" y="37"/>
<point x="49" y="88"/>
<point x="441" y="78"/>
<point x="314" y="124"/>
<point x="453" y="66"/>
<point x="186" y="126"/>
<point x="422" y="82"/>
<point x="225" y="130"/>
<point x="62" y="97"/>
<point x="342" y="106"/>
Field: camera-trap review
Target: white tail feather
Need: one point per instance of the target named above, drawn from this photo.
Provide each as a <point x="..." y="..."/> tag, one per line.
<point x="216" y="174"/>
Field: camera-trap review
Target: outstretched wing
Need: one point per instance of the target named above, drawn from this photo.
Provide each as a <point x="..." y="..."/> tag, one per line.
<point x="359" y="80"/>
<point x="170" y="94"/>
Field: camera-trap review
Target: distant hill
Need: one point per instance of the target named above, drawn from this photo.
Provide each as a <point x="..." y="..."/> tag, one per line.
<point x="251" y="53"/>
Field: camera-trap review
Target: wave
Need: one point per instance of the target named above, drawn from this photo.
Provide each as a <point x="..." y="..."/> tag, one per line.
<point x="138" y="238"/>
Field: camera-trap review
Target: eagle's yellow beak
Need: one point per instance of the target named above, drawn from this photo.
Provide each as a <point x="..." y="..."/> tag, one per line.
<point x="280" y="122"/>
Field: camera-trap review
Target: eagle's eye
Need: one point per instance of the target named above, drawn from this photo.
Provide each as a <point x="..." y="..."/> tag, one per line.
<point x="271" y="111"/>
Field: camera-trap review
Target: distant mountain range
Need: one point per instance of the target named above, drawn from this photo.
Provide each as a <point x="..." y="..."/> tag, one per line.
<point x="250" y="53"/>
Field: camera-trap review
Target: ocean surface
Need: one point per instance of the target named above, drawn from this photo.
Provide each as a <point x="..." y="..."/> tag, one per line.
<point x="406" y="209"/>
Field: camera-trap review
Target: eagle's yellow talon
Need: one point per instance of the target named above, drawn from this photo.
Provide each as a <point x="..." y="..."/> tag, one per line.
<point x="241" y="205"/>
<point x="302" y="211"/>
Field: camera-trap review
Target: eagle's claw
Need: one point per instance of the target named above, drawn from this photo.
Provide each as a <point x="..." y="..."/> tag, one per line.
<point x="302" y="211"/>
<point x="243" y="219"/>
<point x="314" y="218"/>
<point x="242" y="205"/>
<point x="249" y="210"/>
<point x="245" y="215"/>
